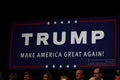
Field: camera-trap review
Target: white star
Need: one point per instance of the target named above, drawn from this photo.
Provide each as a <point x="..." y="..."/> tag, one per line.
<point x="61" y="22"/>
<point x="67" y="66"/>
<point x="46" y="66"/>
<point x="48" y="23"/>
<point x="55" y="22"/>
<point x="60" y="66"/>
<point x="74" y="66"/>
<point x="75" y="21"/>
<point x="53" y="66"/>
<point x="68" y="22"/>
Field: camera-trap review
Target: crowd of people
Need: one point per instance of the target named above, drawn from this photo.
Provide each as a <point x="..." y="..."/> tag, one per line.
<point x="79" y="75"/>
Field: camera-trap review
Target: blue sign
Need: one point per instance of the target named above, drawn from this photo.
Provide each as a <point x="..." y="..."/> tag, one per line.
<point x="64" y="43"/>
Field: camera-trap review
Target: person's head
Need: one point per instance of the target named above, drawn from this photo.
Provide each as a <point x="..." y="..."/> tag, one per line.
<point x="97" y="73"/>
<point x="64" y="77"/>
<point x="117" y="75"/>
<point x="79" y="74"/>
<point x="12" y="76"/>
<point x="93" y="78"/>
<point x="27" y="75"/>
<point x="47" y="76"/>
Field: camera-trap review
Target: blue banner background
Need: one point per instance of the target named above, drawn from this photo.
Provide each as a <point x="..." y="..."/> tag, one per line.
<point x="107" y="44"/>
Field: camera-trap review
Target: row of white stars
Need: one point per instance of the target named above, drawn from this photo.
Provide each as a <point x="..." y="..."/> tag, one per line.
<point x="61" y="22"/>
<point x="60" y="66"/>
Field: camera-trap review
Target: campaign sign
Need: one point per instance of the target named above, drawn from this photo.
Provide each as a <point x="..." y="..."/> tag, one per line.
<point x="64" y="43"/>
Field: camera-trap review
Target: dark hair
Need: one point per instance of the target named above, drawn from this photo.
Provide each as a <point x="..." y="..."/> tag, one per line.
<point x="49" y="75"/>
<point x="28" y="73"/>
